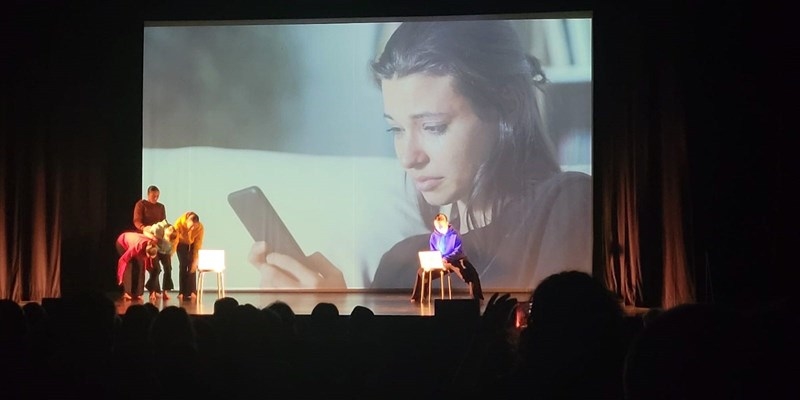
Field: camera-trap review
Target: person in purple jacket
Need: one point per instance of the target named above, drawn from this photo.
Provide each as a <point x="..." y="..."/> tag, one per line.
<point x="447" y="241"/>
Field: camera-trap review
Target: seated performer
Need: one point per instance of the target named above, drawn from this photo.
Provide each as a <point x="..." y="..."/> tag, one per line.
<point x="447" y="241"/>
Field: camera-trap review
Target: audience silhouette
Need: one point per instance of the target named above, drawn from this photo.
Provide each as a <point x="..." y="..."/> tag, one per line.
<point x="693" y="351"/>
<point x="577" y="344"/>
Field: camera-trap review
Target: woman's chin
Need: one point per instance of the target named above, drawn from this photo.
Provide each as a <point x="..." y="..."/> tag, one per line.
<point x="436" y="199"/>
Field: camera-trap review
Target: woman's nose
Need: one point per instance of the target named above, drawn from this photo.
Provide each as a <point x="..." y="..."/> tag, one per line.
<point x="411" y="152"/>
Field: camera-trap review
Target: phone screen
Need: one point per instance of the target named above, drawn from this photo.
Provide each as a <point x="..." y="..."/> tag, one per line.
<point x="263" y="222"/>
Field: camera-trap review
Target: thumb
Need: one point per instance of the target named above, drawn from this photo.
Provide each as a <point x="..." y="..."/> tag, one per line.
<point x="258" y="253"/>
<point x="322" y="265"/>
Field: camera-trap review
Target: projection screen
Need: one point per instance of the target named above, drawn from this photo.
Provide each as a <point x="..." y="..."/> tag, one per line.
<point x="352" y="166"/>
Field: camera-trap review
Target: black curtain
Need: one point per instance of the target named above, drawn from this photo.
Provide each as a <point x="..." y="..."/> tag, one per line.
<point x="71" y="157"/>
<point x="645" y="231"/>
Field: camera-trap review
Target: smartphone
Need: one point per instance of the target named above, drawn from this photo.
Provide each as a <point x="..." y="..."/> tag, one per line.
<point x="263" y="222"/>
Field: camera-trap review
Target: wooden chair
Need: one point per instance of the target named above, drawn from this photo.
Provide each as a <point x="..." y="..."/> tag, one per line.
<point x="431" y="262"/>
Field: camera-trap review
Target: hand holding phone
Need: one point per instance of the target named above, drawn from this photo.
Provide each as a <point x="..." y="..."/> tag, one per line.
<point x="279" y="271"/>
<point x="263" y="222"/>
<point x="275" y="252"/>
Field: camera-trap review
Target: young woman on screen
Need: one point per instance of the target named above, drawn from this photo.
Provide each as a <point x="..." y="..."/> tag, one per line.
<point x="460" y="99"/>
<point x="461" y="102"/>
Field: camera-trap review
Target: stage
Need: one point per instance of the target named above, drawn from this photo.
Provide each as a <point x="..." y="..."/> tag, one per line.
<point x="302" y="302"/>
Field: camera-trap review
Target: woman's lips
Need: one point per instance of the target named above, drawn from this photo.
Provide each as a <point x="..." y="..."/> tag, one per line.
<point x="427" y="183"/>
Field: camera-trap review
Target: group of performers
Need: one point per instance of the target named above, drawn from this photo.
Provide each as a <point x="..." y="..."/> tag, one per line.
<point x="152" y="246"/>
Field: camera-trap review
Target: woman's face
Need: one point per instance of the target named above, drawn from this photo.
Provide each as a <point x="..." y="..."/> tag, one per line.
<point x="439" y="140"/>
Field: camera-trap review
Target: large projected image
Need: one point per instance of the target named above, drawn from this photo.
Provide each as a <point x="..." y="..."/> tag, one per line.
<point x="317" y="155"/>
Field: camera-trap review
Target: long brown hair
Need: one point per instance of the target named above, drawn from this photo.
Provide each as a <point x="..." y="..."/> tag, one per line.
<point x="492" y="71"/>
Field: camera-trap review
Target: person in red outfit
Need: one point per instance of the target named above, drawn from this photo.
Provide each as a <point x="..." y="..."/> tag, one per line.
<point x="136" y="251"/>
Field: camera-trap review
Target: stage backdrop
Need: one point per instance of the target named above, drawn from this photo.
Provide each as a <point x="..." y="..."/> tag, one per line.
<point x="293" y="110"/>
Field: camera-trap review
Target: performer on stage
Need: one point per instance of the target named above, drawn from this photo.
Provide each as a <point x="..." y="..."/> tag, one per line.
<point x="136" y="251"/>
<point x="447" y="241"/>
<point x="166" y="235"/>
<point x="148" y="212"/>
<point x="187" y="244"/>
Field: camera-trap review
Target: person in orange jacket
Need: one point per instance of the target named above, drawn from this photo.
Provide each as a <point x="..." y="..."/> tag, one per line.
<point x="187" y="244"/>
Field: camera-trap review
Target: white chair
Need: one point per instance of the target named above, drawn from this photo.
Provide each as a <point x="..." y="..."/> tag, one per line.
<point x="210" y="261"/>
<point x="430" y="262"/>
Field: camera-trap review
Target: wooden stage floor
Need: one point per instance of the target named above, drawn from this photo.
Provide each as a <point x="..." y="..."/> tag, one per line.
<point x="381" y="303"/>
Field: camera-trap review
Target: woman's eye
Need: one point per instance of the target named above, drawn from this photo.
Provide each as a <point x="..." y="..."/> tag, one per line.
<point x="394" y="130"/>
<point x="436" y="129"/>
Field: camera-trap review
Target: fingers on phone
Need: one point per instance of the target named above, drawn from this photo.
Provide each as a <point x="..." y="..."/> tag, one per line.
<point x="306" y="277"/>
<point x="324" y="266"/>
<point x="273" y="277"/>
<point x="283" y="271"/>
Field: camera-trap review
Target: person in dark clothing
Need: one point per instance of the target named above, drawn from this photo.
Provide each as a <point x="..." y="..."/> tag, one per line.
<point x="148" y="212"/>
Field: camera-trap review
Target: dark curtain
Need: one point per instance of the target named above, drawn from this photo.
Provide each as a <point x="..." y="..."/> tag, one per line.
<point x="645" y="232"/>
<point x="669" y="80"/>
<point x="694" y="152"/>
<point x="71" y="155"/>
<point x="31" y="201"/>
